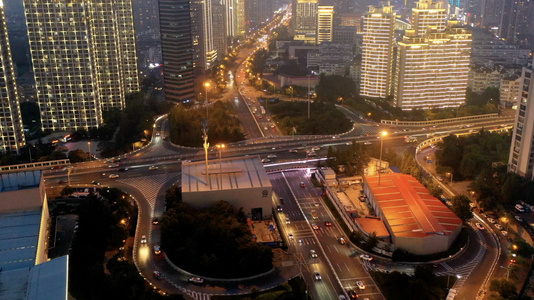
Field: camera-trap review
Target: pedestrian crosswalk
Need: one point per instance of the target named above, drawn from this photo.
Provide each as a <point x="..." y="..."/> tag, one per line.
<point x="150" y="186"/>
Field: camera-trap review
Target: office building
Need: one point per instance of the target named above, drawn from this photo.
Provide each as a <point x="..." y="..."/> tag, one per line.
<point x="432" y="70"/>
<point x="491" y="13"/>
<point x="11" y="130"/>
<point x="229" y="17"/>
<point x="521" y="160"/>
<point x="176" y="49"/>
<point x="147" y="16"/>
<point x="517" y="22"/>
<point x="377" y="52"/>
<point x="325" y="23"/>
<point x="306" y="21"/>
<point x="240" y="28"/>
<point x="220" y="39"/>
<point x="84" y="60"/>
<point x="347" y="26"/>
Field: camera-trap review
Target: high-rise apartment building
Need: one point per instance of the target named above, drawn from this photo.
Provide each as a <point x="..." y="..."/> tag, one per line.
<point x="177" y="50"/>
<point x="306" y="21"/>
<point x="230" y="17"/>
<point x="521" y="160"/>
<point x="432" y="70"/>
<point x="517" y="22"/>
<point x="84" y="59"/>
<point x="11" y="130"/>
<point x="428" y="15"/>
<point x="240" y="28"/>
<point x="377" y="52"/>
<point x="325" y="23"/>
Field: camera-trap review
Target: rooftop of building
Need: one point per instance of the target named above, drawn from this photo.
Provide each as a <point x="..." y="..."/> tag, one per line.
<point x="409" y="208"/>
<point x="370" y="225"/>
<point x="14" y="181"/>
<point x="226" y="174"/>
<point x="44" y="281"/>
<point x="19" y="236"/>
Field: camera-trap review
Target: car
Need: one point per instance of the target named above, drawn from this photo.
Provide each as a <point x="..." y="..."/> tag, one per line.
<point x="518" y="218"/>
<point x="265" y="128"/>
<point x="366" y="257"/>
<point x="157" y="274"/>
<point x="504" y="233"/>
<point x="123" y="169"/>
<point x="316" y="204"/>
<point x="157" y="249"/>
<point x="317" y="276"/>
<point x="353" y="295"/>
<point x="265" y="160"/>
<point x="272" y="126"/>
<point x="314" y="215"/>
<point x="293" y="150"/>
<point x="472" y="205"/>
<point x="315" y="227"/>
<point x="312" y="154"/>
<point x="113" y="176"/>
<point x="95" y="182"/>
<point x="279" y="208"/>
<point x="342" y="297"/>
<point x="302" y="184"/>
<point x="479" y="226"/>
<point x="439" y="178"/>
<point x="368" y="143"/>
<point x="291" y="236"/>
<point x="196" y="280"/>
<point x="143" y="239"/>
<point x="491" y="220"/>
<point x="342" y="241"/>
<point x="271" y="156"/>
<point x="260" y="117"/>
<point x="113" y="165"/>
<point x="360" y="285"/>
<point x="153" y="167"/>
<point x="155" y="221"/>
<point x="313" y="254"/>
<point x="327" y="223"/>
<point x="288" y="221"/>
<point x="498" y="226"/>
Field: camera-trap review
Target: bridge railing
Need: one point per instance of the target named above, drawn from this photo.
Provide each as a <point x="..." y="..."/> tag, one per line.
<point x="36" y="165"/>
<point x="438" y="122"/>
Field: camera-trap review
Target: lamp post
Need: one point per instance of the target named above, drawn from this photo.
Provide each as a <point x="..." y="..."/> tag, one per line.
<point x="220" y="147"/>
<point x="206" y="86"/>
<point x="384" y="134"/>
<point x="30" y="152"/>
<point x="449" y="174"/>
<point x="90" y="156"/>
<point x="308" y="96"/>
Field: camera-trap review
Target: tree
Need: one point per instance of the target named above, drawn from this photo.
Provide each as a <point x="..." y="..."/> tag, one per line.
<point x="332" y="87"/>
<point x="67" y="190"/>
<point x="460" y="206"/>
<point x="504" y="287"/>
<point x="298" y="287"/>
<point x="78" y="156"/>
<point x="372" y="241"/>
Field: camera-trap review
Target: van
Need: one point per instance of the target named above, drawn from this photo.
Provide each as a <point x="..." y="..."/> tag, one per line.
<point x="519" y="208"/>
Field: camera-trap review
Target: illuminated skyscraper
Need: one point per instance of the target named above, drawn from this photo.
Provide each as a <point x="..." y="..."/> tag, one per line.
<point x="428" y="14"/>
<point x="325" y="23"/>
<point x="521" y="160"/>
<point x="377" y="52"/>
<point x="84" y="59"/>
<point x="432" y="70"/>
<point x="177" y="49"/>
<point x="219" y="29"/>
<point x="11" y="131"/>
<point x="306" y="21"/>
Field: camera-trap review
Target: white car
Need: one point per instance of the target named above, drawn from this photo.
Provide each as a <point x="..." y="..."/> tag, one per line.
<point x="316" y="148"/>
<point x="153" y="167"/>
<point x="360" y="285"/>
<point x="313" y="254"/>
<point x="293" y="150"/>
<point x="271" y="156"/>
<point x="491" y="220"/>
<point x="291" y="236"/>
<point x="317" y="276"/>
<point x="498" y="226"/>
<point x="504" y="233"/>
<point x="288" y="221"/>
<point x="518" y="218"/>
<point x="366" y="257"/>
<point x="479" y="226"/>
<point x="196" y="280"/>
<point x="143" y="239"/>
<point x="113" y="176"/>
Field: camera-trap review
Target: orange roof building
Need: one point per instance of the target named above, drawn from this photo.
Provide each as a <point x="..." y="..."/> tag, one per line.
<point x="417" y="221"/>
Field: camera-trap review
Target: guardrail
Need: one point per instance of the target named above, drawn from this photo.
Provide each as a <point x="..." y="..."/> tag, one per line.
<point x="36" y="165"/>
<point x="437" y="122"/>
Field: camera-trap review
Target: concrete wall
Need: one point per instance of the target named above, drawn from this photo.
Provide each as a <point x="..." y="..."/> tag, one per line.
<point x="246" y="198"/>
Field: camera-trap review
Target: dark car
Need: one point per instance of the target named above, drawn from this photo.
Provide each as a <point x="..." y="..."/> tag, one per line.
<point x="327" y="223"/>
<point x="155" y="221"/>
<point x="123" y="169"/>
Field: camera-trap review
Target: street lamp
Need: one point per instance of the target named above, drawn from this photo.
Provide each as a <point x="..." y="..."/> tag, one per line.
<point x="30" y="152"/>
<point x="384" y="134"/>
<point x="89" y="144"/>
<point x="220" y="147"/>
<point x="449" y="174"/>
<point x="206" y="86"/>
<point x="505" y="221"/>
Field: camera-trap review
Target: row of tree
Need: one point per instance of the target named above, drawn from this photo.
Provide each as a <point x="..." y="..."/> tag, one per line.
<point x="213" y="242"/>
<point x="186" y="125"/>
<point x="324" y="118"/>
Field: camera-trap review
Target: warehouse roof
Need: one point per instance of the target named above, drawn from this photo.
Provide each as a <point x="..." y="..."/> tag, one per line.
<point x="226" y="174"/>
<point x="409" y="208"/>
<point x="19" y="235"/>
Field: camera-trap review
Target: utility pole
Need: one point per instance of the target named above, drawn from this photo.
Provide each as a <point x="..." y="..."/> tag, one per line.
<point x="308" y="96"/>
<point x="206" y="146"/>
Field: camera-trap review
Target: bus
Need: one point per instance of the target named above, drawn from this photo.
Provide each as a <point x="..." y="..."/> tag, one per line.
<point x="262" y="109"/>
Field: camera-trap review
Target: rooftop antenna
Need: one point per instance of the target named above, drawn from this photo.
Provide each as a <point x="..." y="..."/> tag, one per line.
<point x="206" y="145"/>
